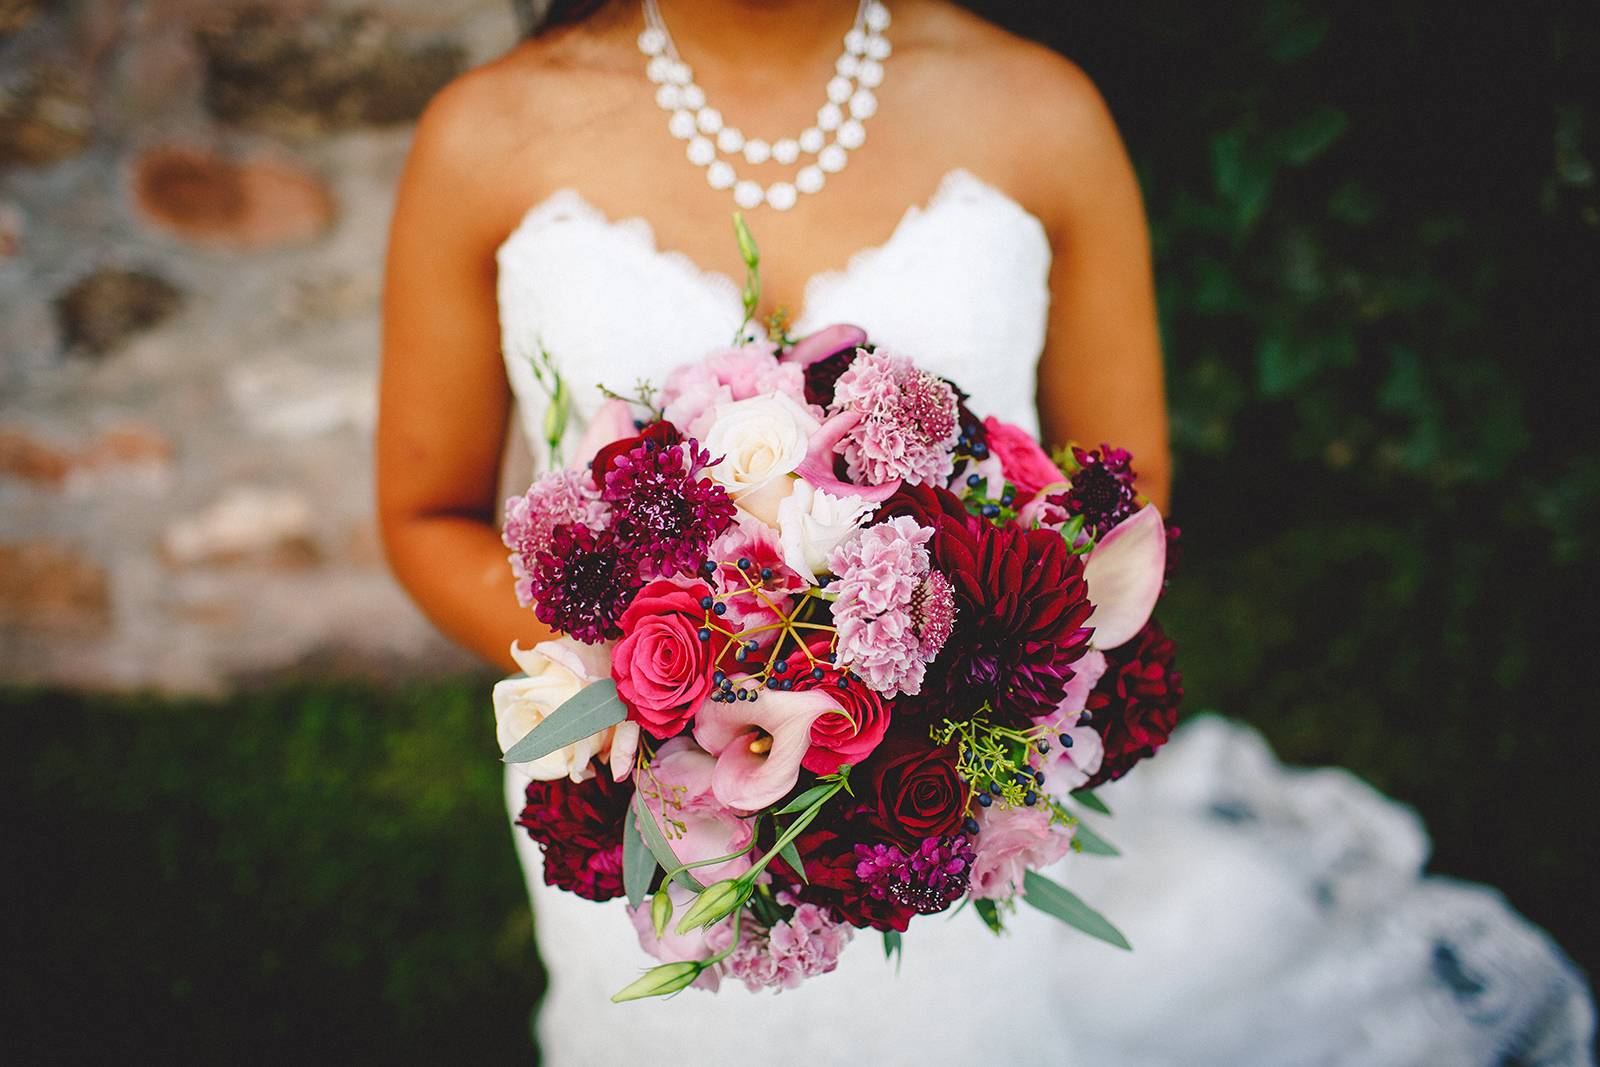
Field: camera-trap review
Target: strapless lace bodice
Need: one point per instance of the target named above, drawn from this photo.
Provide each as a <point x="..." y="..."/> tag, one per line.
<point x="962" y="283"/>
<point x="1277" y="917"/>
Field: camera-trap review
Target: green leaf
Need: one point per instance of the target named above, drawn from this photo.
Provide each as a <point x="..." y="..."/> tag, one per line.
<point x="587" y="712"/>
<point x="791" y="856"/>
<point x="1092" y="842"/>
<point x="1312" y="135"/>
<point x="989" y="912"/>
<point x="893" y="948"/>
<point x="638" y="862"/>
<point x="1063" y="904"/>
<point x="657" y="843"/>
<point x="1087" y="798"/>
<point x="804" y="800"/>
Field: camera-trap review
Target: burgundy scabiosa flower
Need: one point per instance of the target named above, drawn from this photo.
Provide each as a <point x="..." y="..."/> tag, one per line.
<point x="1101" y="490"/>
<point x="831" y="881"/>
<point x="928" y="880"/>
<point x="578" y="826"/>
<point x="584" y="582"/>
<point x="1135" y="703"/>
<point x="661" y="507"/>
<point x="555" y="498"/>
<point x="1020" y="604"/>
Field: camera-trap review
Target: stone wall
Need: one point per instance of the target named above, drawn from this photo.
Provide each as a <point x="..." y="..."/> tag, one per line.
<point x="193" y="204"/>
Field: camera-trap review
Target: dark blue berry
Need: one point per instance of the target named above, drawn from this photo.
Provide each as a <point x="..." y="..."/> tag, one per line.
<point x="990" y="511"/>
<point x="971" y="825"/>
<point x="994" y="787"/>
<point x="739" y="654"/>
<point x="766" y="574"/>
<point x="1043" y="747"/>
<point x="816" y="674"/>
<point x="720" y="608"/>
<point x="1007" y="497"/>
<point x="1038" y="777"/>
<point x="717" y="678"/>
<point x="843" y="683"/>
<point x="706" y="602"/>
<point x="704" y="634"/>
<point x="638" y="424"/>
<point x="1030" y="798"/>
<point x="984" y="800"/>
<point x="709" y="566"/>
<point x="782" y="667"/>
<point x="1066" y="740"/>
<point x="974" y="480"/>
<point x="744" y="564"/>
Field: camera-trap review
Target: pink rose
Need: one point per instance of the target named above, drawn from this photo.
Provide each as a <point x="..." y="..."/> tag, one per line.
<point x="691" y="392"/>
<point x="661" y="667"/>
<point x="1011" y="842"/>
<point x="1025" y="464"/>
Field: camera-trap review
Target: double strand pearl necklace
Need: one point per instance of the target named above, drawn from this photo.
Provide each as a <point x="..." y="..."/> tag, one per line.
<point x="838" y="130"/>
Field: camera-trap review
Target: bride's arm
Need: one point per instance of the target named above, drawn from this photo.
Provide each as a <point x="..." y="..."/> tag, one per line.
<point x="1101" y="377"/>
<point x="443" y="400"/>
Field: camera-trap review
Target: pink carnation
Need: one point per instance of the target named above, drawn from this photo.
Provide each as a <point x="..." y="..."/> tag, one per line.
<point x="1011" y="842"/>
<point x="891" y="618"/>
<point x="808" y="943"/>
<point x="909" y="422"/>
<point x="558" y="498"/>
<point x="693" y="391"/>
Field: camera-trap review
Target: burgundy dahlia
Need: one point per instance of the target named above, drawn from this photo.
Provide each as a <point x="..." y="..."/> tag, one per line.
<point x="584" y="582"/>
<point x="1020" y="607"/>
<point x="821" y="375"/>
<point x="578" y="826"/>
<point x="1135" y="703"/>
<point x="662" y="509"/>
<point x="1101" y="490"/>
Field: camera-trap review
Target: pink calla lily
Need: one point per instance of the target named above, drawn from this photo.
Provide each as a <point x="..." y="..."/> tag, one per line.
<point x="750" y="773"/>
<point x="1124" y="574"/>
<point x="817" y="467"/>
<point x="824" y="343"/>
<point x="612" y="421"/>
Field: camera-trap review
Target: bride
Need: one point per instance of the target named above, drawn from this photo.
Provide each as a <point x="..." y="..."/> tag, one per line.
<point x="964" y="196"/>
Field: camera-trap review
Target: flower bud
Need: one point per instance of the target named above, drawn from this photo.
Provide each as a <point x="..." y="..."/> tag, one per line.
<point x="714" y="903"/>
<point x="660" y="981"/>
<point x="747" y="243"/>
<point x="661" y="911"/>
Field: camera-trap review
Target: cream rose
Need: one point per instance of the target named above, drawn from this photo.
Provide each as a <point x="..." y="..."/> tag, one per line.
<point x="811" y="524"/>
<point x="760" y="441"/>
<point x="553" y="671"/>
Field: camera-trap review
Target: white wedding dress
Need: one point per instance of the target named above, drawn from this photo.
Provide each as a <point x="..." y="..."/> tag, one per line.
<point x="1278" y="917"/>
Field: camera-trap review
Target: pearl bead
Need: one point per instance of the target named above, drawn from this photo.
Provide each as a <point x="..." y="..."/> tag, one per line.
<point x="730" y="139"/>
<point x="786" y="151"/>
<point x="877" y="17"/>
<point x="878" y="48"/>
<point x="668" y="97"/>
<point x="871" y="73"/>
<point x="852" y="134"/>
<point x="658" y="69"/>
<point x="812" y="139"/>
<point x="839" y="89"/>
<point x="748" y="194"/>
<point x="781" y="195"/>
<point x="701" y="152"/>
<point x="847" y="65"/>
<point x="829" y="116"/>
<point x="863" y="105"/>
<point x="757" y="151"/>
<point x="652" y="41"/>
<point x="681" y="125"/>
<point x="832" y="159"/>
<point x="855" y="42"/>
<point x="709" y="119"/>
<point x="720" y="175"/>
<point x="680" y="73"/>
<point x="694" y="97"/>
<point x="810" y="179"/>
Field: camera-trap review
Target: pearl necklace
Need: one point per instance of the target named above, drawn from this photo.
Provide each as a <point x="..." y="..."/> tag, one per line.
<point x="838" y="130"/>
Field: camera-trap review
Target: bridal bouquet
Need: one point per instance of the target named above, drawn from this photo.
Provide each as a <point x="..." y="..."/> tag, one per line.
<point x="833" y="653"/>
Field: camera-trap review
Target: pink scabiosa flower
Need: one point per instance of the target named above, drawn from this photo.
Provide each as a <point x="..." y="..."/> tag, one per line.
<point x="928" y="880"/>
<point x="909" y="422"/>
<point x="892" y="614"/>
<point x="583" y="583"/>
<point x="662" y="508"/>
<point x="806" y="944"/>
<point x="554" y="499"/>
<point x="1102" y="488"/>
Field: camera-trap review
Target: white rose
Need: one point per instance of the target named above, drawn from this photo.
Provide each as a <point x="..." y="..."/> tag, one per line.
<point x="760" y="441"/>
<point x="553" y="671"/>
<point x="812" y="522"/>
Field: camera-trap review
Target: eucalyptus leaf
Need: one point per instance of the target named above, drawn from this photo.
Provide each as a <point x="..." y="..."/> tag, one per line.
<point x="804" y="800"/>
<point x="791" y="856"/>
<point x="1087" y="798"/>
<point x="588" y="711"/>
<point x="1064" y="904"/>
<point x="638" y="862"/>
<point x="893" y="948"/>
<point x="656" y="841"/>
<point x="1092" y="843"/>
<point x="989" y="912"/>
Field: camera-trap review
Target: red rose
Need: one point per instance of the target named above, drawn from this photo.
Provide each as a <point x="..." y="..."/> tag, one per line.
<point x="836" y="740"/>
<point x="832" y="882"/>
<point x="912" y="791"/>
<point x="662" y="432"/>
<point x="1135" y="703"/>
<point x="578" y="826"/>
<point x="662" y="668"/>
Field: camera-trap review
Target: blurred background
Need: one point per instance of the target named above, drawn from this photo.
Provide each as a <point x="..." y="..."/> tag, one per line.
<point x="253" y="802"/>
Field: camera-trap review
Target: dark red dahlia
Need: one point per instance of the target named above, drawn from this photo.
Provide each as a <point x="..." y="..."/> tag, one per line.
<point x="1135" y="703"/>
<point x="1102" y="488"/>
<point x="662" y="508"/>
<point x="578" y="826"/>
<point x="584" y="582"/>
<point x="821" y="375"/>
<point x="1020" y="608"/>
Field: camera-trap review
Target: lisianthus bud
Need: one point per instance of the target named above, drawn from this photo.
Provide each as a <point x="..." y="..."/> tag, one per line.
<point x="660" y="981"/>
<point x="661" y="911"/>
<point x="715" y="902"/>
